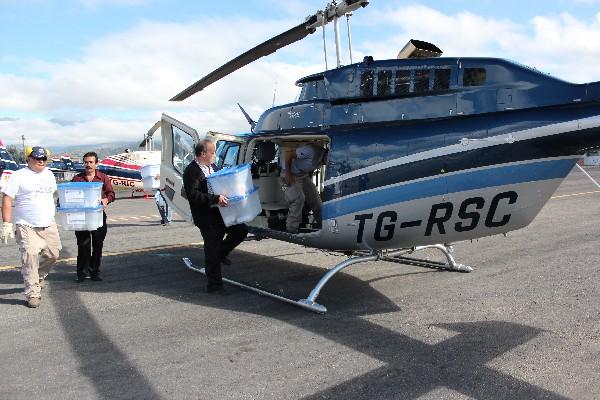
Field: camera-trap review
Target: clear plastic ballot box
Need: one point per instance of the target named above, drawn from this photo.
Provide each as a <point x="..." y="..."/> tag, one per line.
<point x="80" y="219"/>
<point x="241" y="209"/>
<point x="79" y="194"/>
<point x="230" y="182"/>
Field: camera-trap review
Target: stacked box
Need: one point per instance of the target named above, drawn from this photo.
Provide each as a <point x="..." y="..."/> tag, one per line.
<point x="241" y="209"/>
<point x="236" y="184"/>
<point x="234" y="181"/>
<point x="80" y="206"/>
<point x="150" y="177"/>
<point x="80" y="219"/>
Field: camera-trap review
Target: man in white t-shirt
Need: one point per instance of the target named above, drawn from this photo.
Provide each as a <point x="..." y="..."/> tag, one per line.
<point x="299" y="188"/>
<point x="31" y="191"/>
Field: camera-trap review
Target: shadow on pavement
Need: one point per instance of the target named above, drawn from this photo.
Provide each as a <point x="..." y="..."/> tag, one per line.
<point x="412" y="368"/>
<point x="14" y="292"/>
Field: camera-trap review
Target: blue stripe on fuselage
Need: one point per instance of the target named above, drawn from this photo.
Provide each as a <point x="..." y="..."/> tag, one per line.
<point x="460" y="182"/>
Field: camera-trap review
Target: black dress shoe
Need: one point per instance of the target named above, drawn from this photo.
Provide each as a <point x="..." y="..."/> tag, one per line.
<point x="96" y="278"/>
<point x="225" y="261"/>
<point x="80" y="279"/>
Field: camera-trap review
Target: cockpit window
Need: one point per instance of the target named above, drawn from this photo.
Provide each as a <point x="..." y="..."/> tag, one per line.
<point x="441" y="79"/>
<point x="421" y="81"/>
<point x="366" y="84"/>
<point x="312" y="90"/>
<point x="384" y="80"/>
<point x="474" y="76"/>
<point x="226" y="153"/>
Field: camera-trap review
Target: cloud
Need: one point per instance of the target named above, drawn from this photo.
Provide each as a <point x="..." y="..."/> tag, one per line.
<point x="135" y="72"/>
<point x="559" y="44"/>
<point x="45" y="132"/>
<point x="143" y="67"/>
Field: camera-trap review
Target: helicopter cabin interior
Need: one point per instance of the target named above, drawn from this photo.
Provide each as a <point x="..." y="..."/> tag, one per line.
<point x="266" y="156"/>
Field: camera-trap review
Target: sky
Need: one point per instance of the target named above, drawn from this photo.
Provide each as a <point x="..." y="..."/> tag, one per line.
<point x="98" y="71"/>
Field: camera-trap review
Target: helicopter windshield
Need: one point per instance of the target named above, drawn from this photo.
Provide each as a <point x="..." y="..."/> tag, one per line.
<point x="312" y="90"/>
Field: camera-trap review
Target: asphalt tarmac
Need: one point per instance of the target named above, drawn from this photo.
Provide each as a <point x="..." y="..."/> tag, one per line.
<point x="524" y="325"/>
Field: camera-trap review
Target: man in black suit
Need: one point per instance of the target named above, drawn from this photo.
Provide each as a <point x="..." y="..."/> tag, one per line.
<point x="208" y="218"/>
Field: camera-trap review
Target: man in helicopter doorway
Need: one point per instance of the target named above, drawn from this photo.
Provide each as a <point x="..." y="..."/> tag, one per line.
<point x="299" y="189"/>
<point x="219" y="240"/>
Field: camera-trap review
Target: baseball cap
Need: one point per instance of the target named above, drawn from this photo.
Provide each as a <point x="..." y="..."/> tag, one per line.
<point x="38" y="153"/>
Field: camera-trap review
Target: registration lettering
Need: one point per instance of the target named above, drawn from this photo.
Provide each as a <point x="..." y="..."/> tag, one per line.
<point x="468" y="212"/>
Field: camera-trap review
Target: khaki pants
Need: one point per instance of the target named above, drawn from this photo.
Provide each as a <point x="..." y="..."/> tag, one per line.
<point x="303" y="190"/>
<point x="39" y="249"/>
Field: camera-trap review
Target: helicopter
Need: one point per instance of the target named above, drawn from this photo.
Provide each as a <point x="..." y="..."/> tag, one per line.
<point x="424" y="150"/>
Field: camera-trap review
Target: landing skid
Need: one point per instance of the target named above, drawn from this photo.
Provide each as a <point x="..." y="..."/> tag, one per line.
<point x="396" y="256"/>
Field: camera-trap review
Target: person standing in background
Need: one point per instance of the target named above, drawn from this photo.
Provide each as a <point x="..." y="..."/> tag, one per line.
<point x="90" y="243"/>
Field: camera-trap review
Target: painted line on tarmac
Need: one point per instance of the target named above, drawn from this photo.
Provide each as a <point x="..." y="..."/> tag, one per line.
<point x="574" y="194"/>
<point x="126" y="218"/>
<point x="117" y="253"/>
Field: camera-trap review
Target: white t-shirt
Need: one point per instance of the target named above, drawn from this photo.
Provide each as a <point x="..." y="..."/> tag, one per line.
<point x="33" y="197"/>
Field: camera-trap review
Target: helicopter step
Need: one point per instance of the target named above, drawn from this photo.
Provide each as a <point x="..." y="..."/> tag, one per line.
<point x="397" y="256"/>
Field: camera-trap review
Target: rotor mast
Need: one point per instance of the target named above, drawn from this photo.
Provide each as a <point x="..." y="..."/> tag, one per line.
<point x="333" y="12"/>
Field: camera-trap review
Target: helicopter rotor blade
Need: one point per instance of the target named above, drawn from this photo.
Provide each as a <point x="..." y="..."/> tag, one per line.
<point x="270" y="46"/>
<point x="312" y="22"/>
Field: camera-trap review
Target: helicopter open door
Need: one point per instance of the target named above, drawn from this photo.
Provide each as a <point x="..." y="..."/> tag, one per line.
<point x="178" y="141"/>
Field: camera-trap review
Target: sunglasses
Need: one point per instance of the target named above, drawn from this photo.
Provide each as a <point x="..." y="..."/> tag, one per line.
<point x="41" y="159"/>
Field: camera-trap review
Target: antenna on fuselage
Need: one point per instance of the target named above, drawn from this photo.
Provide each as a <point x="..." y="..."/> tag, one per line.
<point x="248" y="118"/>
<point x="274" y="94"/>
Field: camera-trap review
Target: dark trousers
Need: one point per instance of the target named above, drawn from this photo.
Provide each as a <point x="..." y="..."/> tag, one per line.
<point x="89" y="250"/>
<point x="215" y="248"/>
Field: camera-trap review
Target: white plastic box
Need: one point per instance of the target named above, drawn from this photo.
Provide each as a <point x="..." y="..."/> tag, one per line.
<point x="79" y="194"/>
<point x="231" y="182"/>
<point x="241" y="209"/>
<point x="150" y="177"/>
<point x="80" y="219"/>
<point x="150" y="183"/>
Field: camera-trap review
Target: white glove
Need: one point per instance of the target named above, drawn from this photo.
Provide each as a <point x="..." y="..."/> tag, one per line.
<point x="7" y="232"/>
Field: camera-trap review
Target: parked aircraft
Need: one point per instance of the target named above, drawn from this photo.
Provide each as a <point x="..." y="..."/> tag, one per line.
<point x="64" y="163"/>
<point x="423" y="150"/>
<point x="7" y="164"/>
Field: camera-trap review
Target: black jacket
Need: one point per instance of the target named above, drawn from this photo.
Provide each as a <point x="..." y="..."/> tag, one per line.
<point x="196" y="191"/>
